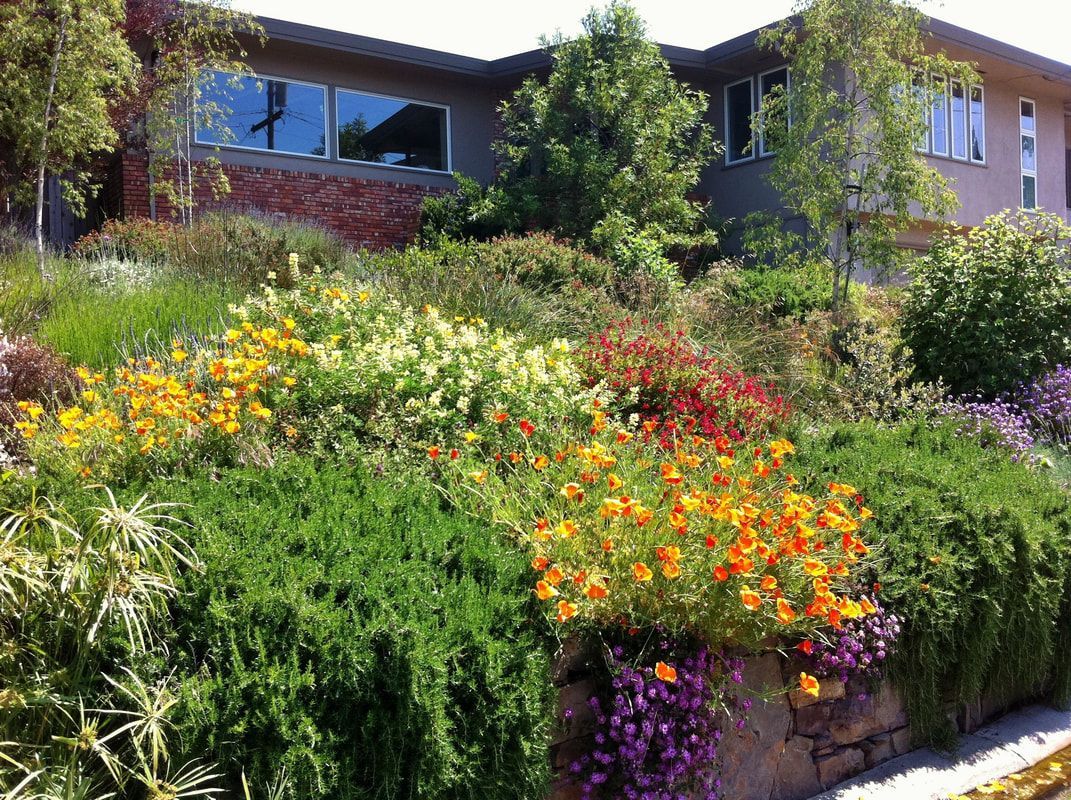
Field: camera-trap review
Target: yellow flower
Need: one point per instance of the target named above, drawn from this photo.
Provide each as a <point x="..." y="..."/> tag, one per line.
<point x="179" y="355"/>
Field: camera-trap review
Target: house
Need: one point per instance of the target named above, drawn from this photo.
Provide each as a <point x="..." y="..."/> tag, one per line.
<point x="354" y="132"/>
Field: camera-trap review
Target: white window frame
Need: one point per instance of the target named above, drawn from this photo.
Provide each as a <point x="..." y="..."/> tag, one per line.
<point x="965" y="119"/>
<point x="1023" y="171"/>
<point x="327" y="100"/>
<point x="970" y="125"/>
<point x="762" y="122"/>
<point x="729" y="160"/>
<point x="449" y="132"/>
<point x="947" y="105"/>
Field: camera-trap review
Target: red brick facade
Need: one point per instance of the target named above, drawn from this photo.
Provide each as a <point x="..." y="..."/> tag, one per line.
<point x="366" y="213"/>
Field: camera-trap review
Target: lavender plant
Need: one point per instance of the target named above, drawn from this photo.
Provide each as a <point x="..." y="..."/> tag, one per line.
<point x="860" y="647"/>
<point x="1001" y="423"/>
<point x="1046" y="402"/>
<point x="656" y="734"/>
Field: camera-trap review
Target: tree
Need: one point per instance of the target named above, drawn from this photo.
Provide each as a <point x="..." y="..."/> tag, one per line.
<point x="190" y="40"/>
<point x="849" y="162"/>
<point x="63" y="63"/>
<point x="611" y="142"/>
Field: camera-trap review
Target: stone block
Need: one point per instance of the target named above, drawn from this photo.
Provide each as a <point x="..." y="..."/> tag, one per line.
<point x="854" y="720"/>
<point x="813" y="720"/>
<point x="828" y="689"/>
<point x="839" y="766"/>
<point x="750" y="757"/>
<point x="877" y="749"/>
<point x="797" y="777"/>
<point x="901" y="739"/>
<point x="574" y="714"/>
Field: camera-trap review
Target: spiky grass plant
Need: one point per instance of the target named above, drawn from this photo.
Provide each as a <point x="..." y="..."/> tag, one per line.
<point x="82" y="596"/>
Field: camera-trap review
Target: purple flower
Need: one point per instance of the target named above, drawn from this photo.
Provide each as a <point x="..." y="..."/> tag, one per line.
<point x="859" y="647"/>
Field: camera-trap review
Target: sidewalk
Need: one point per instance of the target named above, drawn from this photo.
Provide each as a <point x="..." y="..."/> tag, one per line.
<point x="1012" y="743"/>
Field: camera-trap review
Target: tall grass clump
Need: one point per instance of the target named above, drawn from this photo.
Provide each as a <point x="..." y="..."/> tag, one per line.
<point x="98" y="326"/>
<point x="977" y="563"/>
<point x="25" y="293"/>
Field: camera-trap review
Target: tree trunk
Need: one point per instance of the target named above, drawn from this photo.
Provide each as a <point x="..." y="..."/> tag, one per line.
<point x="42" y="155"/>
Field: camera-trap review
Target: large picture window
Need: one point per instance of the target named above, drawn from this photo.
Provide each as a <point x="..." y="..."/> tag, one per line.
<point x="739" y="107"/>
<point x="388" y="130"/>
<point x="774" y="124"/>
<point x="263" y="113"/>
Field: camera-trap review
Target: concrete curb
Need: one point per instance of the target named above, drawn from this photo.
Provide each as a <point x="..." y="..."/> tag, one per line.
<point x="1012" y="743"/>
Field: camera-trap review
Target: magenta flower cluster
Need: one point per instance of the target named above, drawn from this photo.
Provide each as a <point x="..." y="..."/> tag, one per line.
<point x="656" y="739"/>
<point x="860" y="647"/>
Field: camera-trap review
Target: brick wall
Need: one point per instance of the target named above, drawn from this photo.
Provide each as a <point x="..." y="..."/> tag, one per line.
<point x="366" y="213"/>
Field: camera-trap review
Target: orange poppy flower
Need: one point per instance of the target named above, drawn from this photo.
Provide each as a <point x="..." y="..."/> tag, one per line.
<point x="664" y="672"/>
<point x="526" y="427"/>
<point x="607" y="545"/>
<point x="501" y="416"/>
<point x="554" y="576"/>
<point x="769" y="583"/>
<point x="806" y="647"/>
<point x="614" y="482"/>
<point x="433" y="453"/>
<point x="809" y="684"/>
<point x="721" y="573"/>
<point x="540" y="563"/>
<point x="566" y="529"/>
<point x="640" y="572"/>
<point x="785" y="614"/>
<point x="541" y="462"/>
<point x="867" y="606"/>
<point x="566" y="610"/>
<point x="751" y="600"/>
<point x="671" y="569"/>
<point x="544" y="591"/>
<point x="595" y="592"/>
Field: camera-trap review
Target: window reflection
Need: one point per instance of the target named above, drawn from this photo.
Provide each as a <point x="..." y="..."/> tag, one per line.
<point x="385" y="130"/>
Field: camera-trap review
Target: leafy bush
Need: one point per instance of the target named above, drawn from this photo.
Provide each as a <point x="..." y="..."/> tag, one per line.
<point x="787" y="292"/>
<point x="469" y="212"/>
<point x="990" y="309"/>
<point x="540" y="261"/>
<point x="705" y="540"/>
<point x="348" y="629"/>
<point x="133" y="239"/>
<point x="29" y="373"/>
<point x="100" y="326"/>
<point x="408" y="377"/>
<point x="655" y="373"/>
<point x="977" y="565"/>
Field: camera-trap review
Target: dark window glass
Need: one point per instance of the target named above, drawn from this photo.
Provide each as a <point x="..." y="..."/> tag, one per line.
<point x="977" y="125"/>
<point x="383" y="130"/>
<point x="266" y="114"/>
<point x="774" y="123"/>
<point x="1030" y="199"/>
<point x="1026" y="115"/>
<point x="739" y="108"/>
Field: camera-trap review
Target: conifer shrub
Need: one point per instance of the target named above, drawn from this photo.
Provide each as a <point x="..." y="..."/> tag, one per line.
<point x="349" y="629"/>
<point x="976" y="563"/>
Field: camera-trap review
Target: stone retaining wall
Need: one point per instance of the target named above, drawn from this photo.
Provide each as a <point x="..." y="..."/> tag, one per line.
<point x="793" y="746"/>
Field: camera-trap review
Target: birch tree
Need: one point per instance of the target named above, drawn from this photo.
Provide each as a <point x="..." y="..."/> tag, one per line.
<point x="63" y="63"/>
<point x="849" y="162"/>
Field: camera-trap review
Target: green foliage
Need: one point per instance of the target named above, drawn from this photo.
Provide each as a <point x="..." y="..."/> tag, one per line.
<point x="25" y="294"/>
<point x="977" y="561"/>
<point x="63" y="65"/>
<point x="610" y="132"/>
<point x="992" y="308"/>
<point x="350" y="630"/>
<point x="469" y="212"/>
<point x="848" y="164"/>
<point x="542" y="262"/>
<point x="83" y="597"/>
<point x="777" y="293"/>
<point x="99" y="326"/>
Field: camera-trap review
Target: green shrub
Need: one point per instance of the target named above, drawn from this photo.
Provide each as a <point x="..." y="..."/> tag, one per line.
<point x="542" y="262"/>
<point x="135" y="239"/>
<point x="469" y="212"/>
<point x="349" y="629"/>
<point x="977" y="561"/>
<point x="97" y="327"/>
<point x="786" y="292"/>
<point x="992" y="308"/>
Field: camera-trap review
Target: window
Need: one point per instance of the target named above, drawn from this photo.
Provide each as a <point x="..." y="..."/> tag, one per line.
<point x="266" y="114"/>
<point x="955" y="120"/>
<point x="977" y="125"/>
<point x="739" y="107"/>
<point x="959" y="121"/>
<point x="774" y="124"/>
<point x="388" y="130"/>
<point x="918" y="88"/>
<point x="1028" y="152"/>
<point x="939" y="117"/>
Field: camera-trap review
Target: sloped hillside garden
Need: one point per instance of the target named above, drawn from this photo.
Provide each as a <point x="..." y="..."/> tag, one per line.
<point x="331" y="541"/>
